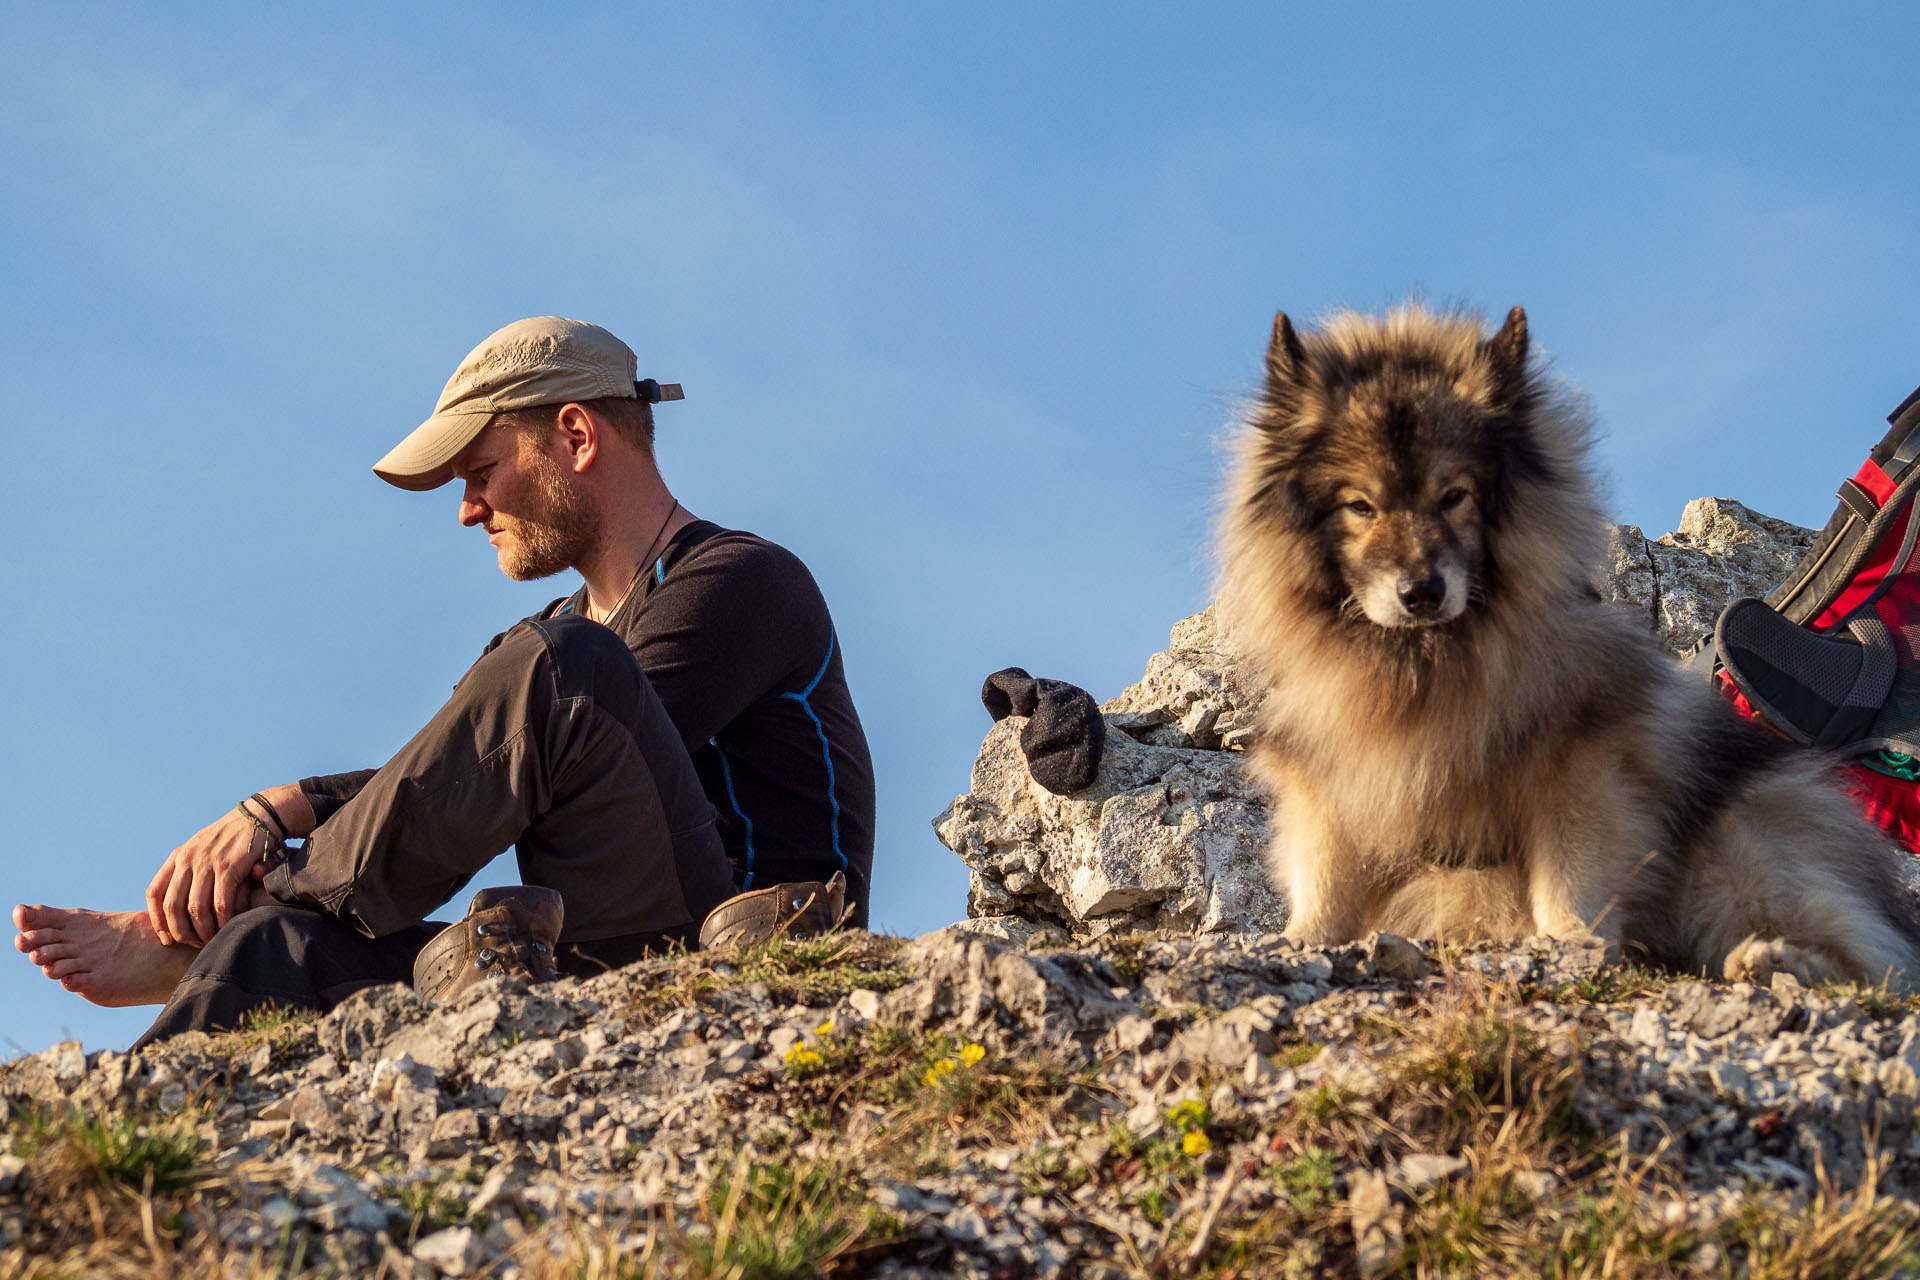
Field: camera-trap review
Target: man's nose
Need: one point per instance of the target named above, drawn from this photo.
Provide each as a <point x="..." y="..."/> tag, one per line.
<point x="472" y="510"/>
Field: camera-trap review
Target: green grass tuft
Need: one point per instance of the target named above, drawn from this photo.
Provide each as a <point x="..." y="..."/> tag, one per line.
<point x="74" y="1146"/>
<point x="1611" y="984"/>
<point x="786" y="1219"/>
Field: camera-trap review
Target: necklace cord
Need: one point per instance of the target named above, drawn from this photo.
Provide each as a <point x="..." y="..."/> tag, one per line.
<point x="645" y="560"/>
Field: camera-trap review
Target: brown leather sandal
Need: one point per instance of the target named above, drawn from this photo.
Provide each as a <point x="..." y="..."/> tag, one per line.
<point x="510" y="932"/>
<point x="783" y="911"/>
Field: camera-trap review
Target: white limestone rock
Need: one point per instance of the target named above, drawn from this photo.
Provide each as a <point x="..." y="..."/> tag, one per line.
<point x="1722" y="551"/>
<point x="1196" y="693"/>
<point x="1167" y="837"/>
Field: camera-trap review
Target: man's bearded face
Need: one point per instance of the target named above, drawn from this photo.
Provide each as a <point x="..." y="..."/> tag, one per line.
<point x="556" y="529"/>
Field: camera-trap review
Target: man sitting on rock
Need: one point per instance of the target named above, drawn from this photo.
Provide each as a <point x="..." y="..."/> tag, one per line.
<point x="695" y="670"/>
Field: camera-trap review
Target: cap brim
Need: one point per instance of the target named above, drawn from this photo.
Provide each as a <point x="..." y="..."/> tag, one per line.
<point x="420" y="462"/>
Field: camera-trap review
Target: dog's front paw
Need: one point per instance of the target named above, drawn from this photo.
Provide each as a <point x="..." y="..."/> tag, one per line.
<point x="1315" y="933"/>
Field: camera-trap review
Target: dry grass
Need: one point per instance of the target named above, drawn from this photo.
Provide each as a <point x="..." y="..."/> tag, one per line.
<point x="757" y="1218"/>
<point x="1835" y="1234"/>
<point x="809" y="971"/>
<point x="1541" y="1193"/>
<point x="1466" y="1077"/>
<point x="288" y="1033"/>
<point x="108" y="1194"/>
<point x="909" y="1104"/>
<point x="1876" y="1000"/>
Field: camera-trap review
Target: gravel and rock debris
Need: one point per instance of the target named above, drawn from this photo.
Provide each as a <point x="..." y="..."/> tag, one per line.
<point x="955" y="1105"/>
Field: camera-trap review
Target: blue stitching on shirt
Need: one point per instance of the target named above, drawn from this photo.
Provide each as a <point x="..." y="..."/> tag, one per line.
<point x="726" y="776"/>
<point x="659" y="571"/>
<point x="826" y="748"/>
<point x="807" y="692"/>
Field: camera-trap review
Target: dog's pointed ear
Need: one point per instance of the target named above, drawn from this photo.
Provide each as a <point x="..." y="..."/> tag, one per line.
<point x="1286" y="355"/>
<point x="1507" y="350"/>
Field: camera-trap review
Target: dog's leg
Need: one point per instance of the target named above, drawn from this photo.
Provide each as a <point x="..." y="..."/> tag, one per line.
<point x="1580" y="861"/>
<point x="1324" y="880"/>
<point x="1326" y="899"/>
<point x="1568" y="903"/>
<point x="1308" y="860"/>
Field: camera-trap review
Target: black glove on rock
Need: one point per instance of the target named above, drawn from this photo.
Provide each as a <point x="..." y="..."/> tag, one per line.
<point x="1064" y="734"/>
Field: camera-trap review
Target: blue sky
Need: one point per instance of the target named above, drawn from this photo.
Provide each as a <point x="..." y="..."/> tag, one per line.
<point x="963" y="299"/>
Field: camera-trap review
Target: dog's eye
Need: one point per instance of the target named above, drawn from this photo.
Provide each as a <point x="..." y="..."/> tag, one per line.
<point x="1361" y="507"/>
<point x="1453" y="498"/>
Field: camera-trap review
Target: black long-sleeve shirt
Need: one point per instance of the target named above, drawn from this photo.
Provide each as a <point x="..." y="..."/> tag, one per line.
<point x="734" y="635"/>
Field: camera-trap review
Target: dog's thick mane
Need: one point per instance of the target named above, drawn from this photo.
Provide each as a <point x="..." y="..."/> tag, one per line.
<point x="1419" y="372"/>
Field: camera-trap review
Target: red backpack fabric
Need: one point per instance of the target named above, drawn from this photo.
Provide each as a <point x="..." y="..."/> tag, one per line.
<point x="1831" y="658"/>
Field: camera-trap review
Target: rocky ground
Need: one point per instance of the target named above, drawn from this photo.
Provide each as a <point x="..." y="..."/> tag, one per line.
<point x="1142" y="1105"/>
<point x="1114" y="1067"/>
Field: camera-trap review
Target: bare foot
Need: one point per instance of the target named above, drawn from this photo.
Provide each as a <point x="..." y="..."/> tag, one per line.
<point x="112" y="958"/>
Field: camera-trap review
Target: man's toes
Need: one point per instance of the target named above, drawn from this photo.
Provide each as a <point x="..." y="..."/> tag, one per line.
<point x="33" y="939"/>
<point x="52" y="951"/>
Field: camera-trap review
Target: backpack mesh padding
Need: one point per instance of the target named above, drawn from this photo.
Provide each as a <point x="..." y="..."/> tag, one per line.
<point x="1822" y="689"/>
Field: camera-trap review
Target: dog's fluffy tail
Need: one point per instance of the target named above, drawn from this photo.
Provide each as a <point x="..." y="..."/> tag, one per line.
<point x="1791" y="858"/>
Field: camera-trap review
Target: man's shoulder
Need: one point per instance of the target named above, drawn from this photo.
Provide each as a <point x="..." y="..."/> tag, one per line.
<point x="736" y="583"/>
<point x="737" y="552"/>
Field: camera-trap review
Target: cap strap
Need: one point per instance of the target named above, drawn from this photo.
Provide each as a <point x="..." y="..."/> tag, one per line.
<point x="654" y="392"/>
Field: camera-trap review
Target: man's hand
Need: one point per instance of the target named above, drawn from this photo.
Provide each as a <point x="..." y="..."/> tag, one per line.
<point x="211" y="877"/>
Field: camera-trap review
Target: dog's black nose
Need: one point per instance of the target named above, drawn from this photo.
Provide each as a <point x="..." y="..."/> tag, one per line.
<point x="1422" y="597"/>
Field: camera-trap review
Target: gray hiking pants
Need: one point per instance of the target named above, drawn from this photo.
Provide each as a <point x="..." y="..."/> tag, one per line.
<point x="553" y="743"/>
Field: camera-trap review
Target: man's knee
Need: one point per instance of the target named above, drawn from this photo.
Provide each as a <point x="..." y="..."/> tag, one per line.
<point x="582" y="659"/>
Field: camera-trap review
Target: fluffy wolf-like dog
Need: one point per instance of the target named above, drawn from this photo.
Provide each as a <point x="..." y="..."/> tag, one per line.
<point x="1464" y="741"/>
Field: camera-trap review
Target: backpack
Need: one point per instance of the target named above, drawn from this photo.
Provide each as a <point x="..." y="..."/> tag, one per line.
<point x="1831" y="657"/>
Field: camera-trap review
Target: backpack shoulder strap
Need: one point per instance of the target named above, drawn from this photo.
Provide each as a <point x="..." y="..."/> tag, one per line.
<point x="1822" y="690"/>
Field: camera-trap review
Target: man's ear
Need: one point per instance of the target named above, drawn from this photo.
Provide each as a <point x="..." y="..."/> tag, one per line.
<point x="579" y="435"/>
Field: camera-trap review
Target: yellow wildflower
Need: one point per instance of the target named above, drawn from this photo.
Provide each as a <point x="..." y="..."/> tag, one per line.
<point x="938" y="1071"/>
<point x="801" y="1059"/>
<point x="825" y="1028"/>
<point x="1196" y="1144"/>
<point x="1189" y="1116"/>
<point x="971" y="1055"/>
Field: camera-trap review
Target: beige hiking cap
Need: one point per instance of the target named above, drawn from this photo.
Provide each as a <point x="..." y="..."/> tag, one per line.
<point x="544" y="360"/>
